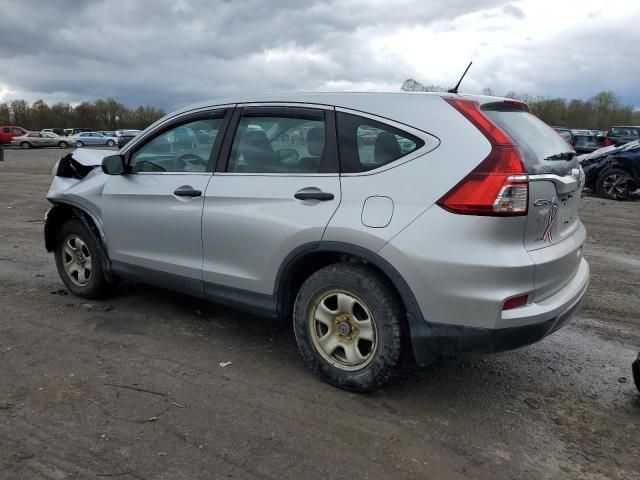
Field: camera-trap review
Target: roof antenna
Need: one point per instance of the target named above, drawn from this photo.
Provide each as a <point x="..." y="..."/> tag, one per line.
<point x="455" y="89"/>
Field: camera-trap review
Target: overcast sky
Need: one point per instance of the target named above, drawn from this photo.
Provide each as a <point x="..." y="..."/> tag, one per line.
<point x="169" y="53"/>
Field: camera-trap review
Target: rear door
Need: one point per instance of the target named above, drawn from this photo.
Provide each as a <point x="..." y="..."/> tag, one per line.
<point x="153" y="215"/>
<point x="553" y="234"/>
<point x="275" y="189"/>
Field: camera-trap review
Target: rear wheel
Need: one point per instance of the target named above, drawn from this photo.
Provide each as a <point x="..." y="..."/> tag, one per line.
<point x="25" y="145"/>
<point x="615" y="184"/>
<point x="63" y="144"/>
<point x="348" y="326"/>
<point x="78" y="260"/>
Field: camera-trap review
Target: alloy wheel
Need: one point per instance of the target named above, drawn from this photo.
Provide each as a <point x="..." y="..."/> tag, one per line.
<point x="77" y="260"/>
<point x="615" y="185"/>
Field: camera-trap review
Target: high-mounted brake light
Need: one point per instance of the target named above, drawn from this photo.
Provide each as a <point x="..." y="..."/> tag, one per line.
<point x="498" y="186"/>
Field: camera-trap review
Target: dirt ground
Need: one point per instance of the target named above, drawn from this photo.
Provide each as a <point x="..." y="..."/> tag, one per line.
<point x="134" y="387"/>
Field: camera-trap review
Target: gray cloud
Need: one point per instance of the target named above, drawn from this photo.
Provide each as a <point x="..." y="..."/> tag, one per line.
<point x="514" y="11"/>
<point x="172" y="52"/>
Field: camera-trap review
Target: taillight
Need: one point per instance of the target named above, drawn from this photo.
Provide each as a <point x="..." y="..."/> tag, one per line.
<point x="608" y="142"/>
<point x="498" y="186"/>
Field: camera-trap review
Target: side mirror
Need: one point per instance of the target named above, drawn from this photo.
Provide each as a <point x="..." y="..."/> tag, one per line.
<point x="288" y="155"/>
<point x="113" y="165"/>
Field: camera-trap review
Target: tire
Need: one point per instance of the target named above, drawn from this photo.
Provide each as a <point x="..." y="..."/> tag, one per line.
<point x="63" y="144"/>
<point x="79" y="144"/>
<point x="25" y="145"/>
<point x="74" y="237"/>
<point x="375" y="313"/>
<point x="110" y="143"/>
<point x="615" y="184"/>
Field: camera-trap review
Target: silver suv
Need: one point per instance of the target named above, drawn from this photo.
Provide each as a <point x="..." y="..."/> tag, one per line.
<point x="380" y="224"/>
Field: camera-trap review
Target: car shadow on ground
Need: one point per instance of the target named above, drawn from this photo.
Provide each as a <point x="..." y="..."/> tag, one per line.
<point x="485" y="377"/>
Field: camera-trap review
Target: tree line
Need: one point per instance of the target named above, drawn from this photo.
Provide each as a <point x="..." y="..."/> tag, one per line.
<point x="599" y="112"/>
<point x="106" y="114"/>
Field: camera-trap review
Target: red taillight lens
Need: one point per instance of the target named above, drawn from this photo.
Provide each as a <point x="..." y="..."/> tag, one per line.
<point x="499" y="185"/>
<point x="608" y="142"/>
<point x="515" y="302"/>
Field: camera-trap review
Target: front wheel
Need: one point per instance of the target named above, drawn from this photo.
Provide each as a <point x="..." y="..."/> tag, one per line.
<point x="110" y="143"/>
<point x="79" y="144"/>
<point x="348" y="326"/>
<point x="25" y="145"/>
<point x="63" y="145"/>
<point x="615" y="184"/>
<point x="78" y="260"/>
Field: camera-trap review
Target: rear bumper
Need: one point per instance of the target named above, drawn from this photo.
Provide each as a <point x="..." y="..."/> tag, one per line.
<point x="535" y="321"/>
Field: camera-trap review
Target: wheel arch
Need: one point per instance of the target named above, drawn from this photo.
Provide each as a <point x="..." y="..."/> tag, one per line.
<point x="308" y="258"/>
<point x="59" y="213"/>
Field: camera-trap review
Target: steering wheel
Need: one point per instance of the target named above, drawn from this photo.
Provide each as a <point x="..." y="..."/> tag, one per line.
<point x="189" y="161"/>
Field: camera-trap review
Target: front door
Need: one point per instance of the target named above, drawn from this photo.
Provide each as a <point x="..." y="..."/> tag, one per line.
<point x="152" y="215"/>
<point x="275" y="188"/>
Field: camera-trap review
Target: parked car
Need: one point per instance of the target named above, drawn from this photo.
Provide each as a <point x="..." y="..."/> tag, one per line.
<point x="107" y="133"/>
<point x="40" y="139"/>
<point x="75" y="131"/>
<point x="8" y="132"/>
<point x="125" y="136"/>
<point x="613" y="172"/>
<point x="586" y="142"/>
<point x="93" y="138"/>
<point x="57" y="131"/>
<point x="564" y="133"/>
<point x="621" y="135"/>
<point x="382" y="251"/>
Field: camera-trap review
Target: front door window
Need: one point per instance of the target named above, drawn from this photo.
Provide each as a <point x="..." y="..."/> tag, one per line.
<point x="184" y="148"/>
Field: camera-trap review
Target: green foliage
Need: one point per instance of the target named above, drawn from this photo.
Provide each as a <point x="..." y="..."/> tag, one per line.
<point x="600" y="112"/>
<point x="100" y="115"/>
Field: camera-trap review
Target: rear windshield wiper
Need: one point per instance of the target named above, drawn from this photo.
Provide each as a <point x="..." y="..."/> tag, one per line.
<point x="562" y="156"/>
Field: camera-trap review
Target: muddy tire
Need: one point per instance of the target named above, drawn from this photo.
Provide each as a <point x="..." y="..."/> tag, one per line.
<point x="348" y="326"/>
<point x="78" y="260"/>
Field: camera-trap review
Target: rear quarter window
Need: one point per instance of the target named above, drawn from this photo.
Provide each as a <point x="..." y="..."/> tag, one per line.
<point x="365" y="144"/>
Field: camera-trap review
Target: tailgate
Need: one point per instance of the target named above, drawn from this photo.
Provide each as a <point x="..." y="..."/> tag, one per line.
<point x="553" y="234"/>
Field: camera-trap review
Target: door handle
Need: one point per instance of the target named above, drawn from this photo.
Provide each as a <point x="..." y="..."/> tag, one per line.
<point x="186" y="191"/>
<point x="313" y="195"/>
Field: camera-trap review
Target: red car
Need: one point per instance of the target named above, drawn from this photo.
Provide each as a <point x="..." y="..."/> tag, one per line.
<point x="7" y="133"/>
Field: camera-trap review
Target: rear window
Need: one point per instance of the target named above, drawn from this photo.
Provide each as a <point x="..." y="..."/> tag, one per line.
<point x="365" y="144"/>
<point x="536" y="140"/>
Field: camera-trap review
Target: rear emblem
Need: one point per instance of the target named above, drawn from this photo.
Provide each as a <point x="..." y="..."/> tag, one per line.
<point x="543" y="202"/>
<point x="553" y="214"/>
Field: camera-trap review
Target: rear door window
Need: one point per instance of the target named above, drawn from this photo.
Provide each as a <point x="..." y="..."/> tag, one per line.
<point x="281" y="140"/>
<point x="366" y="144"/>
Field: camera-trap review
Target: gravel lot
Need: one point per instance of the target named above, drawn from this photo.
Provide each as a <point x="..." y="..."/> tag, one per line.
<point x="133" y="387"/>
